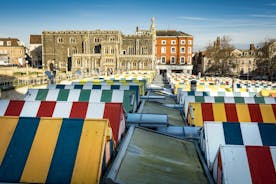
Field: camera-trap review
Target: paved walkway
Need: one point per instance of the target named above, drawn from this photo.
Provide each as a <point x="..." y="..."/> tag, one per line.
<point x="158" y="107"/>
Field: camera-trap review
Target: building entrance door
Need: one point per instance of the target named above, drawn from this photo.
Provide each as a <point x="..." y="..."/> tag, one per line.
<point x="163" y="72"/>
<point x="177" y="71"/>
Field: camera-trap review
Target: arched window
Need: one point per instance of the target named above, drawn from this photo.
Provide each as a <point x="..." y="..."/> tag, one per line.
<point x="182" y="60"/>
<point x="172" y="60"/>
<point x="163" y="60"/>
<point x="78" y="62"/>
<point x="182" y="49"/>
<point x="112" y="50"/>
<point x="72" y="40"/>
<point x="106" y="49"/>
<point x="59" y="40"/>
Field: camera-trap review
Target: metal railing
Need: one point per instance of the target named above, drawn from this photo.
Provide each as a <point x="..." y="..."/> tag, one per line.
<point x="40" y="80"/>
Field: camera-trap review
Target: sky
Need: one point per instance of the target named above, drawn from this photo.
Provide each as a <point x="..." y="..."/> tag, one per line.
<point x="244" y="21"/>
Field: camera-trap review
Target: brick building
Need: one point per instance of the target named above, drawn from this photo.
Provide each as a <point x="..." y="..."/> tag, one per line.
<point x="12" y="52"/>
<point x="174" y="51"/>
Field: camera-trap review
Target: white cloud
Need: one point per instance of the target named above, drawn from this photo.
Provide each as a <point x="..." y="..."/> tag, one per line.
<point x="263" y="16"/>
<point x="271" y="4"/>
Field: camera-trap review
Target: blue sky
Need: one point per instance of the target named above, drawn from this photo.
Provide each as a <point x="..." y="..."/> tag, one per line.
<point x="245" y="21"/>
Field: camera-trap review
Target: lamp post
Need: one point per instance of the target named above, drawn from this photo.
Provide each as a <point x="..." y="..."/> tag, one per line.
<point x="27" y="66"/>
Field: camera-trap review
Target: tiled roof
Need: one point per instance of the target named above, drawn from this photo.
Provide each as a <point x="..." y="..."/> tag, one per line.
<point x="14" y="41"/>
<point x="35" y="39"/>
<point x="171" y="33"/>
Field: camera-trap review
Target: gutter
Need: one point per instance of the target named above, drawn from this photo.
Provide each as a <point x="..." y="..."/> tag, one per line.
<point x="203" y="163"/>
<point x="112" y="173"/>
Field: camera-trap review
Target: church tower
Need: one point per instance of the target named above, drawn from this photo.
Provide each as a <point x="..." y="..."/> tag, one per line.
<point x="152" y="26"/>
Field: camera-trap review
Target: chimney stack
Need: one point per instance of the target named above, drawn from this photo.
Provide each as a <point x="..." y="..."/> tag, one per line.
<point x="252" y="47"/>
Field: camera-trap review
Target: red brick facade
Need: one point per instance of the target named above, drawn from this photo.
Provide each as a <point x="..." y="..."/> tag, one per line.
<point x="174" y="47"/>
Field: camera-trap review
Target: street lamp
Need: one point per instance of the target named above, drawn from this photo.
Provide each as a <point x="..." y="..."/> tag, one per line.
<point x="27" y="67"/>
<point x="27" y="63"/>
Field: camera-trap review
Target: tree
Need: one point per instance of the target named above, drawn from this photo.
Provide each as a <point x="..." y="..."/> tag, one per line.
<point x="221" y="57"/>
<point x="36" y="55"/>
<point x="266" y="60"/>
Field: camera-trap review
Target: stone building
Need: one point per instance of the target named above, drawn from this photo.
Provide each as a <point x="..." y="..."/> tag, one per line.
<point x="244" y="59"/>
<point x="272" y="49"/>
<point x="247" y="61"/>
<point x="99" y="51"/>
<point x="12" y="52"/>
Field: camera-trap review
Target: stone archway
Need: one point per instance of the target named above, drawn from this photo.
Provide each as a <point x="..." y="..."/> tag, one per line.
<point x="51" y="66"/>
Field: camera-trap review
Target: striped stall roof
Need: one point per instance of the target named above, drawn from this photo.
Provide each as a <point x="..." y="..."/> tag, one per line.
<point x="52" y="150"/>
<point x="119" y="86"/>
<point x="181" y="95"/>
<point x="205" y="87"/>
<point x="214" y="99"/>
<point x="271" y="93"/>
<point x="245" y="164"/>
<point x="229" y="112"/>
<point x="215" y="134"/>
<point x="182" y="81"/>
<point x="141" y="81"/>
<point x="127" y="97"/>
<point x="112" y="111"/>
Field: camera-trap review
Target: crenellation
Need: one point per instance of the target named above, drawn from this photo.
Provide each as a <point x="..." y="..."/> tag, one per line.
<point x="105" y="49"/>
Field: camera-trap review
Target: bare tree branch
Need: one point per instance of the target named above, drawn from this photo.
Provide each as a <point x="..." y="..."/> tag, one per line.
<point x="222" y="59"/>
